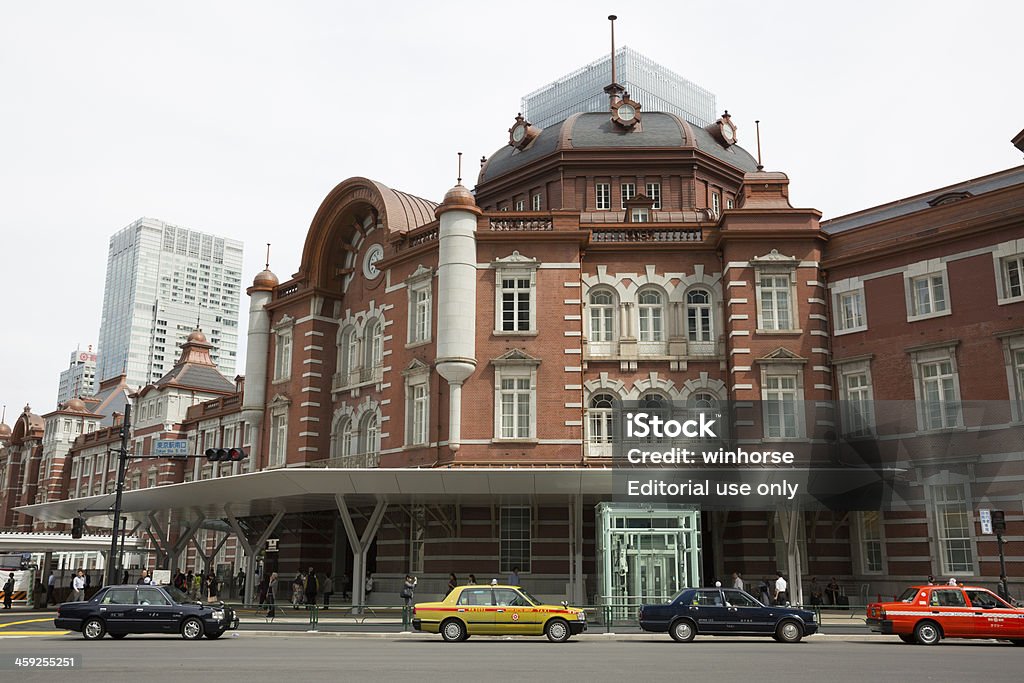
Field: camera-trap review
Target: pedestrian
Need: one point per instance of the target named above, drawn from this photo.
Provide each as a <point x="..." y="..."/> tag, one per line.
<point x="261" y="592"/>
<point x="452" y="583"/>
<point x="832" y="591"/>
<point x="816" y="592"/>
<point x="513" y="578"/>
<point x="124" y="578"/>
<point x="408" y="589"/>
<point x="212" y="588"/>
<point x="368" y="586"/>
<point x="737" y="581"/>
<point x="144" y="580"/>
<point x="9" y="591"/>
<point x="931" y="580"/>
<point x="51" y="584"/>
<point x="328" y="589"/>
<point x="269" y="597"/>
<point x="240" y="583"/>
<point x="196" y="589"/>
<point x="297" y="585"/>
<point x="77" y="587"/>
<point x="344" y="584"/>
<point x="88" y="582"/>
<point x="312" y="587"/>
<point x="952" y="581"/>
<point x="472" y="580"/>
<point x="781" y="593"/>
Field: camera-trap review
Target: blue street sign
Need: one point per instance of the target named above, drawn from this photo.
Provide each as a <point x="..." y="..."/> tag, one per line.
<point x="170" y="447"/>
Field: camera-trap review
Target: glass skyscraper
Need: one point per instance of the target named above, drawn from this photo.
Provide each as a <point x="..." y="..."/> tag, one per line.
<point x="161" y="280"/>
<point x="652" y="85"/>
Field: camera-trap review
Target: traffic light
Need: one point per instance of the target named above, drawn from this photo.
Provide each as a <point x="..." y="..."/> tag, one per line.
<point x="998" y="521"/>
<point x="225" y="454"/>
<point x="77" y="524"/>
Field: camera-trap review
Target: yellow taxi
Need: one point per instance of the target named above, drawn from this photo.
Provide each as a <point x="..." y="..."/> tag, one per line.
<point x="497" y="611"/>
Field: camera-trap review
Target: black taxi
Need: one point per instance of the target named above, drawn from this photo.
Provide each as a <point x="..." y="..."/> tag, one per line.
<point x="120" y="610"/>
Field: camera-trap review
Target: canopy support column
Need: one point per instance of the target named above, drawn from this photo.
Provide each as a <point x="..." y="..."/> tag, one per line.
<point x="360" y="544"/>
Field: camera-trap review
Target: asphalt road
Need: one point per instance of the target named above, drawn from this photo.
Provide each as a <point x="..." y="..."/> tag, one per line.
<point x="258" y="656"/>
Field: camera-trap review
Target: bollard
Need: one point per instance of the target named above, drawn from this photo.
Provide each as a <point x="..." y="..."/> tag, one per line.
<point x="405" y="618"/>
<point x="607" y="619"/>
<point x="314" y="617"/>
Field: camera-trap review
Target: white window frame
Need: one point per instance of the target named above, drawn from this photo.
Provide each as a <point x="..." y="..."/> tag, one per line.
<point x="771" y="285"/>
<point x="348" y="355"/>
<point x="517" y="269"/>
<point x="419" y="286"/>
<point x="925" y="361"/>
<point x="373" y="350"/>
<point x="651" y="321"/>
<point x="602" y="329"/>
<point x="535" y="201"/>
<point x="774" y="372"/>
<point x="1013" y="355"/>
<point x="603" y="196"/>
<point x="700" y="341"/>
<point x="417" y="406"/>
<point x="871" y="541"/>
<point x="716" y="202"/>
<point x="520" y="205"/>
<point x="639" y="214"/>
<point x="1009" y="286"/>
<point x="600" y="423"/>
<point x="523" y="373"/>
<point x="932" y="273"/>
<point x="626" y="192"/>
<point x="856" y="391"/>
<point x="941" y="499"/>
<point x="277" y="453"/>
<point x="654" y="194"/>
<point x="848" y="297"/>
<point x="283" y="350"/>
<point x="781" y="390"/>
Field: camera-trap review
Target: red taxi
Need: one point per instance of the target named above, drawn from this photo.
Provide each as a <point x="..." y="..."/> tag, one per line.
<point x="927" y="614"/>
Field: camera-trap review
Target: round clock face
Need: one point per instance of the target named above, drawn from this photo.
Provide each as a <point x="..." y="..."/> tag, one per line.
<point x="518" y="133"/>
<point x="373" y="254"/>
<point x="727" y="132"/>
<point x="626" y="112"/>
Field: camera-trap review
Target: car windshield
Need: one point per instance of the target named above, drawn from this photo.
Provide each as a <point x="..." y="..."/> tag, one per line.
<point x="529" y="597"/>
<point x="677" y="596"/>
<point x="908" y="595"/>
<point x="177" y="595"/>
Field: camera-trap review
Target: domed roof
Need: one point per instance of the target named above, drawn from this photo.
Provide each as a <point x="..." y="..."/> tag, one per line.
<point x="5" y="431"/>
<point x="596" y="130"/>
<point x="76" y="405"/>
<point x="265" y="280"/>
<point x="197" y="337"/>
<point x="457" y="198"/>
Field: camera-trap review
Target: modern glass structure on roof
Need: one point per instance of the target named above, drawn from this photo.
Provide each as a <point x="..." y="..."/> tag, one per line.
<point x="649" y="83"/>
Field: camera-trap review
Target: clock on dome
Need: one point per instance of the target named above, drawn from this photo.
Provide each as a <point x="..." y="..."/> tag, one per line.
<point x="374" y="254"/>
<point x="727" y="129"/>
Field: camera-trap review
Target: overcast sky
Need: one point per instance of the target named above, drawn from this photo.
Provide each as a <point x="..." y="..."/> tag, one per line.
<point x="237" y="118"/>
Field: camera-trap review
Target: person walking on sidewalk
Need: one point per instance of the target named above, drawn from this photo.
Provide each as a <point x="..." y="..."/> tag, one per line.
<point x="297" y="585"/>
<point x="51" y="585"/>
<point x="78" y="587"/>
<point x="781" y="592"/>
<point x="9" y="591"/>
<point x="270" y="598"/>
<point x="328" y="589"/>
<point x="312" y="587"/>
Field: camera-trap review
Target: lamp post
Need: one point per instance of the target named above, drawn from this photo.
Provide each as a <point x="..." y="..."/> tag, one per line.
<point x="122" y="457"/>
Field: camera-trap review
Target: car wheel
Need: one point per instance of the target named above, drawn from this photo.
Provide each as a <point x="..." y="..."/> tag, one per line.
<point x="215" y="635"/>
<point x="909" y="640"/>
<point x="93" y="629"/>
<point x="453" y="630"/>
<point x="682" y="631"/>
<point x="557" y="630"/>
<point x="927" y="633"/>
<point x="118" y="636"/>
<point x="192" y="629"/>
<point x="789" y="632"/>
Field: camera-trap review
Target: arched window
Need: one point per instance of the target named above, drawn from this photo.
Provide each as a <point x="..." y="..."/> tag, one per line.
<point x="348" y="357"/>
<point x="371" y="439"/>
<point x="601" y="331"/>
<point x="650" y="305"/>
<point x="348" y="438"/>
<point x="373" y="344"/>
<point x="654" y="404"/>
<point x="700" y="328"/>
<point x="705" y="402"/>
<point x="599" y="425"/>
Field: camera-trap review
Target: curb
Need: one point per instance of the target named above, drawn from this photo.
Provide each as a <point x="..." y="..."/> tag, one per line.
<point x="596" y="637"/>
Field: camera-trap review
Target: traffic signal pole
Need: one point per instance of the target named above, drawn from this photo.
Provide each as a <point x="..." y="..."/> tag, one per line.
<point x="122" y="457"/>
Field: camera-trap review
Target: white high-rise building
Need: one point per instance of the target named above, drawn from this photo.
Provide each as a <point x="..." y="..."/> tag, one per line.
<point x="161" y="281"/>
<point x="79" y="380"/>
<point x="655" y="87"/>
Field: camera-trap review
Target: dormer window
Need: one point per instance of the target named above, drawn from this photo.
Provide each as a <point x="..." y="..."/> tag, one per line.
<point x="639" y="216"/>
<point x="638" y="209"/>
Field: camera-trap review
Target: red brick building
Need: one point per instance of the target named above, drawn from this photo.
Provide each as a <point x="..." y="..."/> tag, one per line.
<point x="603" y="260"/>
